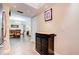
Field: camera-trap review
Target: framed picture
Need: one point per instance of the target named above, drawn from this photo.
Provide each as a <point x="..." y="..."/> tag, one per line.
<point x="14" y="26"/>
<point x="48" y="15"/>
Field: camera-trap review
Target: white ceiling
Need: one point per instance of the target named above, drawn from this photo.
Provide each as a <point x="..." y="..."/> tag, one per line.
<point x="36" y="5"/>
<point x="28" y="9"/>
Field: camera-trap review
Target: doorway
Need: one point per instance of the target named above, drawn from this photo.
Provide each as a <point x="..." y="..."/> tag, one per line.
<point x="19" y="31"/>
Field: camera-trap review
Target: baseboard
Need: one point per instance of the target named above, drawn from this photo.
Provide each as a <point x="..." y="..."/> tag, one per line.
<point x="6" y="52"/>
<point x="32" y="41"/>
<point x="56" y="53"/>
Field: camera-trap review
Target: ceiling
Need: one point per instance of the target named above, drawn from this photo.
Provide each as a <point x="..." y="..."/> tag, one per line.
<point x="28" y="9"/>
<point x="36" y="5"/>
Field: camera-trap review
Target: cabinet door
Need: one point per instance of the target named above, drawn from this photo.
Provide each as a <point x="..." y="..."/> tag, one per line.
<point x="38" y="45"/>
<point x="44" y="46"/>
<point x="51" y="43"/>
<point x="51" y="46"/>
<point x="44" y="42"/>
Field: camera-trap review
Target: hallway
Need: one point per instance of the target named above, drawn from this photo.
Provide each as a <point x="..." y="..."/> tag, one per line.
<point x="53" y="28"/>
<point x="21" y="46"/>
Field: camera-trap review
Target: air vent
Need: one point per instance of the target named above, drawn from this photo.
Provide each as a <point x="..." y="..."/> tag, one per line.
<point x="20" y="11"/>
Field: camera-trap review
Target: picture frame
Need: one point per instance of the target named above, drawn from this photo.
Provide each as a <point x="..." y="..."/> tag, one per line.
<point x="14" y="26"/>
<point x="48" y="15"/>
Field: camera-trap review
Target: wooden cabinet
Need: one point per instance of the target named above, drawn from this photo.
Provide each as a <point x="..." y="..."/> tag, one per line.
<point x="45" y="43"/>
<point x="15" y="33"/>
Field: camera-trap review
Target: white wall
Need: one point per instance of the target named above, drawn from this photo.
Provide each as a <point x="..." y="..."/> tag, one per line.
<point x="34" y="28"/>
<point x="65" y="25"/>
<point x="53" y="25"/>
<point x="12" y="22"/>
<point x="67" y="40"/>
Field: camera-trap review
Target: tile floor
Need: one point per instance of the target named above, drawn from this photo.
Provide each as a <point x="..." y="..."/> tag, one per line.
<point x="21" y="46"/>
